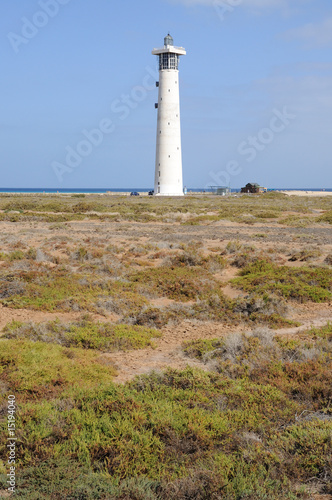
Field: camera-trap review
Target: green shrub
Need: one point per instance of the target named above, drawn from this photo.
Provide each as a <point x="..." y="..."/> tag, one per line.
<point x="305" y="255"/>
<point x="327" y="217"/>
<point x="35" y="367"/>
<point x="178" y="283"/>
<point x="53" y="290"/>
<point x="201" y="349"/>
<point x="302" y="284"/>
<point x="169" y="435"/>
<point x="296" y="368"/>
<point x="85" y="334"/>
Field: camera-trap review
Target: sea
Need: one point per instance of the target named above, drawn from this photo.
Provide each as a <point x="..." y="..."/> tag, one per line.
<point x="128" y="190"/>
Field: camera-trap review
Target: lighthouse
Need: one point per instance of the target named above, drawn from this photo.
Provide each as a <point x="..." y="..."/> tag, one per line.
<point x="168" y="168"/>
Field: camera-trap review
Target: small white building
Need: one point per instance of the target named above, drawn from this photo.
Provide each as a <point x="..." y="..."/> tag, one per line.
<point x="168" y="168"/>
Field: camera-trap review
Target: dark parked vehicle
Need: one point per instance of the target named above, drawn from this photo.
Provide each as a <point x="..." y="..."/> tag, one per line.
<point x="134" y="193"/>
<point x="151" y="193"/>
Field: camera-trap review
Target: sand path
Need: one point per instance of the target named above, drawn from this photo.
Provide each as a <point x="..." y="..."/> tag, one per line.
<point x="7" y="315"/>
<point x="168" y="351"/>
<point x="25" y="315"/>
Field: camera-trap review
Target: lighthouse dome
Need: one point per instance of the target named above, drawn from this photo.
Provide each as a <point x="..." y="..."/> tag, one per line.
<point x="168" y="40"/>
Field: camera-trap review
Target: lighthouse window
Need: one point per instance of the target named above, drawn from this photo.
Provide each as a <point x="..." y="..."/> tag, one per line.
<point x="159" y="173"/>
<point x="164" y="61"/>
<point x="174" y="61"/>
<point x="169" y="123"/>
<point x="168" y="61"/>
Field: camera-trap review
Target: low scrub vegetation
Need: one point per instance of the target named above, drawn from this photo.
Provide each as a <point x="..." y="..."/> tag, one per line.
<point x="178" y="283"/>
<point x="266" y="309"/>
<point x="307" y="254"/>
<point x="327" y="217"/>
<point x="251" y="421"/>
<point x="36" y="368"/>
<point x="52" y="290"/>
<point x="257" y="426"/>
<point x="297" y="221"/>
<point x="84" y="334"/>
<point x="196" y="210"/>
<point x="301" y="284"/>
<point x="300" y="368"/>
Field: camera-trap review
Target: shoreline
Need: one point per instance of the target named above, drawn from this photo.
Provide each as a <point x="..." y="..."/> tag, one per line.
<point x="288" y="192"/>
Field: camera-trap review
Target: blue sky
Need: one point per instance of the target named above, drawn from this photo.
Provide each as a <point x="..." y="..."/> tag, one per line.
<point x="77" y="87"/>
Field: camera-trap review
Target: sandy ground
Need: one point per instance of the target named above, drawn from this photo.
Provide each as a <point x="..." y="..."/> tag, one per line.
<point x="307" y="193"/>
<point x="8" y="315"/>
<point x="265" y="237"/>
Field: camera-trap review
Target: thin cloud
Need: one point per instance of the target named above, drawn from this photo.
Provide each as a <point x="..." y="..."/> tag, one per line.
<point x="313" y="34"/>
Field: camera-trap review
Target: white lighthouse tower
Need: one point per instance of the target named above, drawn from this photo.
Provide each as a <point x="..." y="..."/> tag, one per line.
<point x="168" y="170"/>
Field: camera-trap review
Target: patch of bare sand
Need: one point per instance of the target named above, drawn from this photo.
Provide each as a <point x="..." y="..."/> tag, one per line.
<point x="5" y="494"/>
<point x="162" y="302"/>
<point x="25" y="315"/>
<point x="168" y="351"/>
<point x="224" y="277"/>
<point x="307" y="193"/>
<point x="8" y="315"/>
<point x="311" y="312"/>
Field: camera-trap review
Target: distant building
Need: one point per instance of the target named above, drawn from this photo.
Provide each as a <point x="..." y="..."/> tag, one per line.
<point x="220" y="190"/>
<point x="253" y="188"/>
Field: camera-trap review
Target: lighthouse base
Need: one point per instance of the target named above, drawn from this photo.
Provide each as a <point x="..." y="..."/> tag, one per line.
<point x="169" y="194"/>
